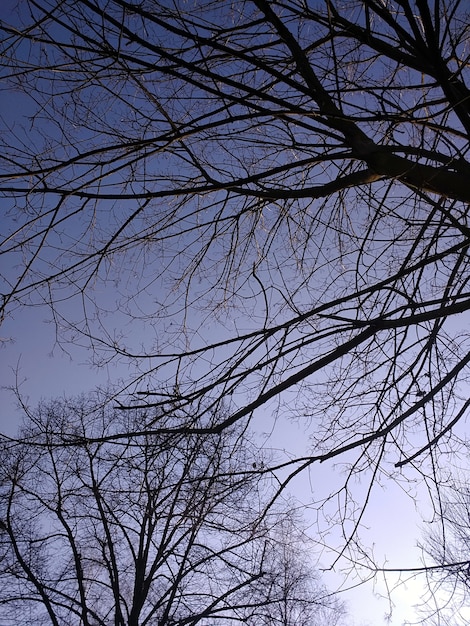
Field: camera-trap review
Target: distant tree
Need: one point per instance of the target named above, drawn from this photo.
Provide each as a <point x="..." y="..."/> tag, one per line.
<point x="290" y="575"/>
<point x="447" y="550"/>
<point x="150" y="529"/>
<point x="260" y="204"/>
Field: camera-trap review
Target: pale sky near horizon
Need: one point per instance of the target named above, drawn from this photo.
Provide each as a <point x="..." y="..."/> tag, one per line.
<point x="391" y="523"/>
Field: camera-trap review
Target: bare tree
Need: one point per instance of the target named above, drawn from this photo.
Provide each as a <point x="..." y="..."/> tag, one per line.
<point x="149" y="530"/>
<point x="446" y="550"/>
<point x="291" y="577"/>
<point x="260" y="202"/>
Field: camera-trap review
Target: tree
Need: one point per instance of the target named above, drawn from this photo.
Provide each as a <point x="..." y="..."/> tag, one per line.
<point x="291" y="578"/>
<point x="150" y="530"/>
<point x="446" y="550"/>
<point x="258" y="203"/>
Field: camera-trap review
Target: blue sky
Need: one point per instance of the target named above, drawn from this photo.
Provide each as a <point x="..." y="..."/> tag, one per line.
<point x="152" y="321"/>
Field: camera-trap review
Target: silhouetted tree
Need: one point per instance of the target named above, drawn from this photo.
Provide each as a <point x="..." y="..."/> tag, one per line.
<point x="257" y="203"/>
<point x="446" y="549"/>
<point x="145" y="530"/>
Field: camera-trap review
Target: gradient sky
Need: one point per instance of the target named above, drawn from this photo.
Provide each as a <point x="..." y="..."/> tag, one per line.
<point x="30" y="355"/>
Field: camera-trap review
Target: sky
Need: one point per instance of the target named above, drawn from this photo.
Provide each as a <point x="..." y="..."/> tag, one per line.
<point x="44" y="371"/>
<point x="31" y="358"/>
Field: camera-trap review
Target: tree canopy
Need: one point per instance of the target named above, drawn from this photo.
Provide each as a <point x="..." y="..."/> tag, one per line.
<point x="260" y="204"/>
<point x="153" y="530"/>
